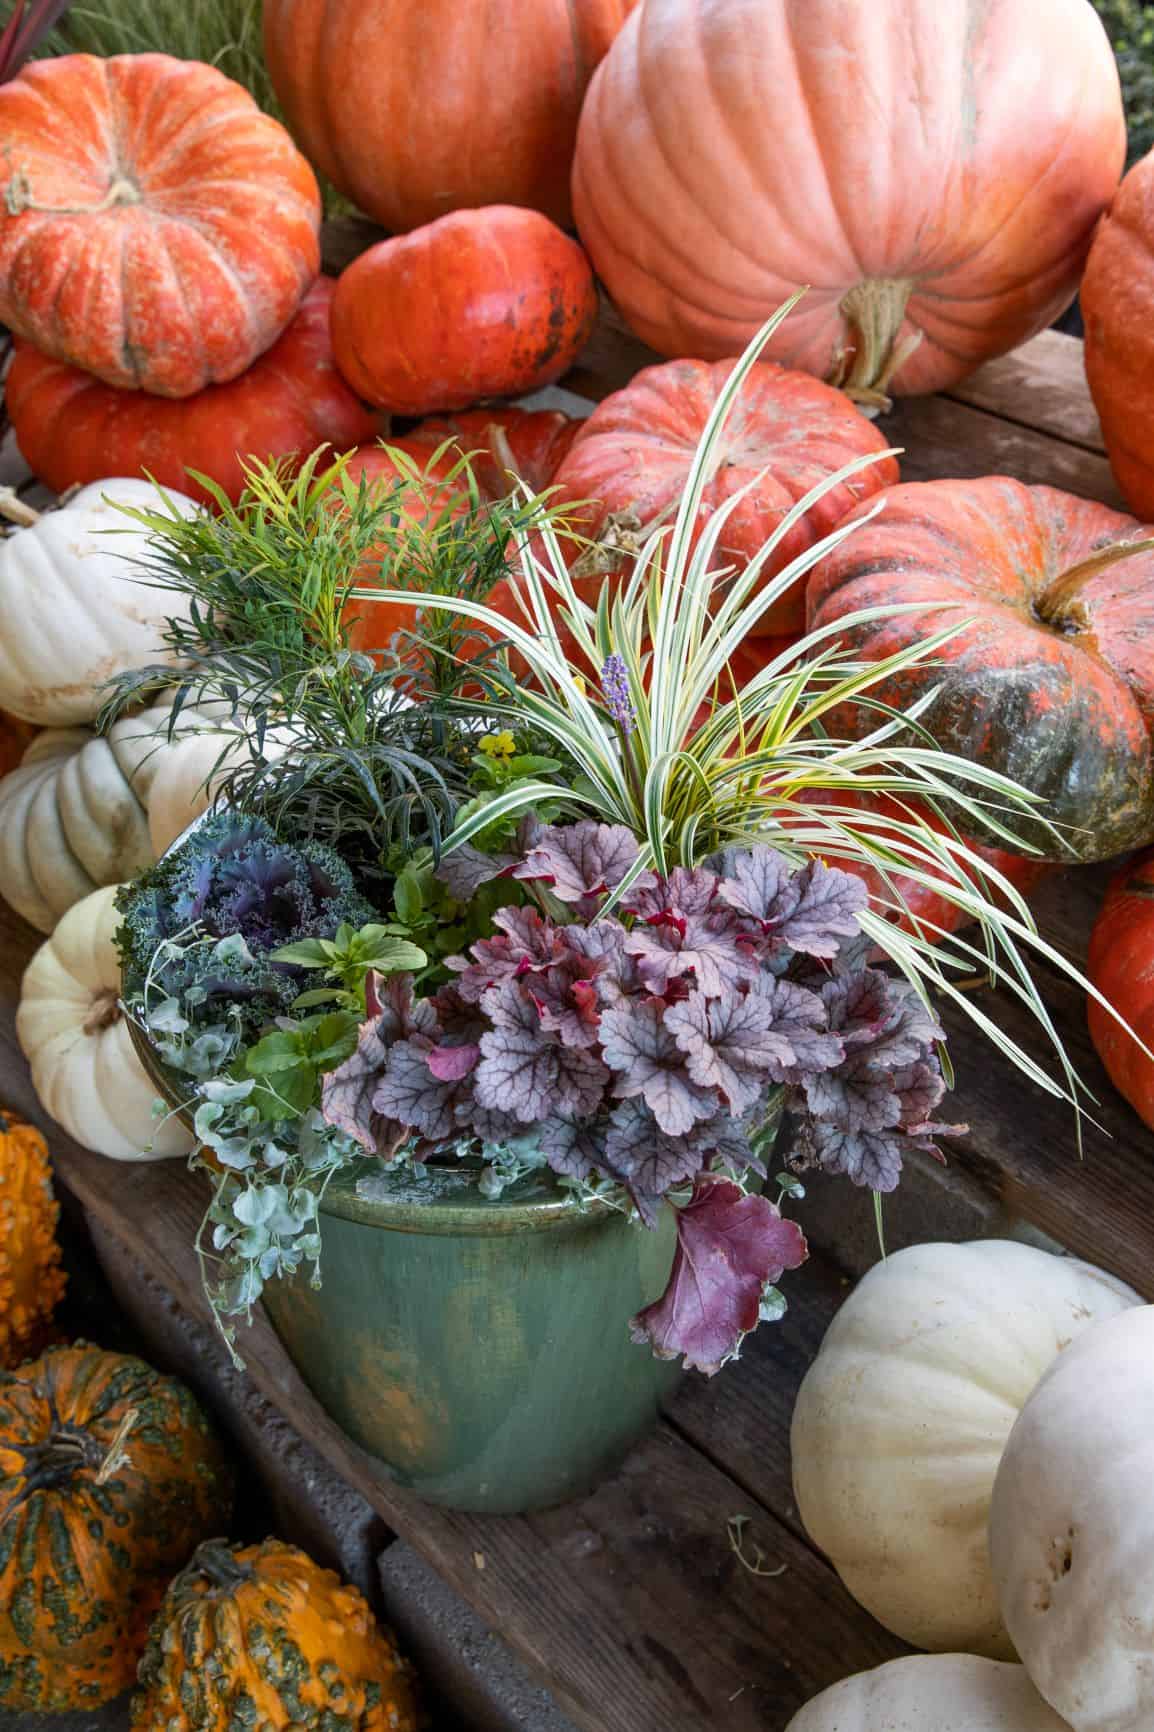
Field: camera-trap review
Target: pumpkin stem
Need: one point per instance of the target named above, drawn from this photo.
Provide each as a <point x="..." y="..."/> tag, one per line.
<point x="103" y="1012"/>
<point x="1053" y="604"/>
<point x="18" y="198"/>
<point x="216" y="1560"/>
<point x="118" y="1456"/>
<point x="875" y="311"/>
<point x="16" y="511"/>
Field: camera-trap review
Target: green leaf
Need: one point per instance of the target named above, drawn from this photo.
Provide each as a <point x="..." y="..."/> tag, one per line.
<point x="280" y="1051"/>
<point x="397" y="956"/>
<point x="407" y="898"/>
<point x="319" y="995"/>
<point x="306" y="953"/>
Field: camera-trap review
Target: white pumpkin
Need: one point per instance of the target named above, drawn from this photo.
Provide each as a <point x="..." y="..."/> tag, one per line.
<point x="931" y="1693"/>
<point x="901" y="1421"/>
<point x="1072" y="1529"/>
<point x="190" y="769"/>
<point x="74" y="1035"/>
<point x="77" y="605"/>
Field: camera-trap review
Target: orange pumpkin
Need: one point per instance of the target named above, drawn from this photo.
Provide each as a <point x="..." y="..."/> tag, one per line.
<point x="73" y="429"/>
<point x="156" y="228"/>
<point x="1053" y="681"/>
<point x="482" y="303"/>
<point x="31" y="1279"/>
<point x="1117" y="294"/>
<point x="1121" y="966"/>
<point x="634" y="454"/>
<point x="933" y="168"/>
<point x="529" y="443"/>
<point x="415" y="110"/>
<point x="109" y="1476"/>
<point x="262" y="1636"/>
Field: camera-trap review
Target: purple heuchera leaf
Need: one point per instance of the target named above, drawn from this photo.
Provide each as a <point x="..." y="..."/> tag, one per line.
<point x="411" y="1095"/>
<point x="583" y="860"/>
<point x="736" y="1042"/>
<point x="636" y="1043"/>
<point x="571" y="1146"/>
<point x="347" y="1092"/>
<point x="730" y="1247"/>
<point x="566" y="1000"/>
<point x="645" y="1157"/>
<point x="525" y="1070"/>
<point x="810" y="910"/>
<point x="452" y="1063"/>
<point x="524" y="941"/>
<point x="708" y="945"/>
<point x="390" y="999"/>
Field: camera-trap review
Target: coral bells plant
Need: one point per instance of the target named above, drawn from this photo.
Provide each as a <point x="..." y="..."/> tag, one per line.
<point x="650" y="1051"/>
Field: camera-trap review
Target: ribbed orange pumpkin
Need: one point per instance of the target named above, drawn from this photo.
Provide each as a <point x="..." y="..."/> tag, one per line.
<point x="634" y="453"/>
<point x="413" y="110"/>
<point x="1121" y="966"/>
<point x="109" y="1476"/>
<point x="31" y="1279"/>
<point x="933" y="168"/>
<point x="1053" y="682"/>
<point x="482" y="303"/>
<point x="73" y="429"/>
<point x="263" y="1637"/>
<point x="156" y="228"/>
<point x="1118" y="307"/>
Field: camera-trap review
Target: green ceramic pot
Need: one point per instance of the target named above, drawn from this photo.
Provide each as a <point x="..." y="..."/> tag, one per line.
<point x="480" y="1348"/>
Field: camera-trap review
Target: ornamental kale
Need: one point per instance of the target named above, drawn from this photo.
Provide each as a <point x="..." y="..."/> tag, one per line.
<point x="234" y="880"/>
<point x="652" y="1048"/>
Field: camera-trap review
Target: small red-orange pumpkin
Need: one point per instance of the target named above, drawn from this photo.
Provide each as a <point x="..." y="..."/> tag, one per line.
<point x="634" y="453"/>
<point x="72" y="429"/>
<point x="1121" y="966"/>
<point x="530" y="444"/>
<point x="413" y="110"/>
<point x="932" y="168"/>
<point x="482" y="303"/>
<point x="1050" y="677"/>
<point x="1117" y="297"/>
<point x="156" y="228"/>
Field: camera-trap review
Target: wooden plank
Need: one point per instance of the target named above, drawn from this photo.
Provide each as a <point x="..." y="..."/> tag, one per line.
<point x="1041" y="385"/>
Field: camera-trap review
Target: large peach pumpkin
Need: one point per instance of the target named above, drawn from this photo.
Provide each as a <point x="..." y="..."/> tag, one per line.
<point x="932" y="168"/>
<point x="413" y="110"/>
<point x="73" y="429"/>
<point x="1117" y="295"/>
<point x="156" y="228"/>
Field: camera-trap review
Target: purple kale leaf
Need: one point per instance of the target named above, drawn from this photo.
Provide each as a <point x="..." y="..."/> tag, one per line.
<point x="737" y="1043"/>
<point x="524" y="1068"/>
<point x="580" y="861"/>
<point x="809" y="910"/>
<point x="730" y="1247"/>
<point x="637" y="1044"/>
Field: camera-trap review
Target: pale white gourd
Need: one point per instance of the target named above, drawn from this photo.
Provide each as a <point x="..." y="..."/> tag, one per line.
<point x="1072" y="1529"/>
<point x="76" y="1040"/>
<point x="74" y="815"/>
<point x="77" y="605"/>
<point x="192" y="767"/>
<point x="931" y="1693"/>
<point x="901" y="1421"/>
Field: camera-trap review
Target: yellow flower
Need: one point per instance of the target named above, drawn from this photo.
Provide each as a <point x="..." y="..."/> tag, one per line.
<point x="501" y="745"/>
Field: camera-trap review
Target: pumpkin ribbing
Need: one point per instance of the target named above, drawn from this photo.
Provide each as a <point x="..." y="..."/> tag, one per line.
<point x="91" y="1524"/>
<point x="31" y="1279"/>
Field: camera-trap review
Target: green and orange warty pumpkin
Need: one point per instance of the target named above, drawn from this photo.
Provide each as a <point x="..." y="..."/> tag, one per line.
<point x="1050" y="678"/>
<point x="109" y="1477"/>
<point x="31" y="1279"/>
<point x="261" y="1637"/>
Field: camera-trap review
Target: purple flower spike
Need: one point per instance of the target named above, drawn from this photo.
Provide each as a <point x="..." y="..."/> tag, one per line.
<point x="615" y="687"/>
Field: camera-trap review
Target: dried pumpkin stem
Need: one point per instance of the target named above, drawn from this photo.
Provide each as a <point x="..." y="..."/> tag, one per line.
<point x="18" y="198"/>
<point x="1054" y="600"/>
<point x="117" y="1456"/>
<point x="15" y="510"/>
<point x="875" y="311"/>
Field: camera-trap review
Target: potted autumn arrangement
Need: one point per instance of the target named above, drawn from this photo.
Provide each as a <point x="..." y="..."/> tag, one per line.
<point x="488" y="1008"/>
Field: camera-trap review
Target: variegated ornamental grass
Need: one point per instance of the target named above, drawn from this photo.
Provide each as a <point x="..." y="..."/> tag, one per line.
<point x="695" y="766"/>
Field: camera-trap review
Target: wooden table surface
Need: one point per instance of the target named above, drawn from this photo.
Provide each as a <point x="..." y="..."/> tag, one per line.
<point x="632" y="1605"/>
